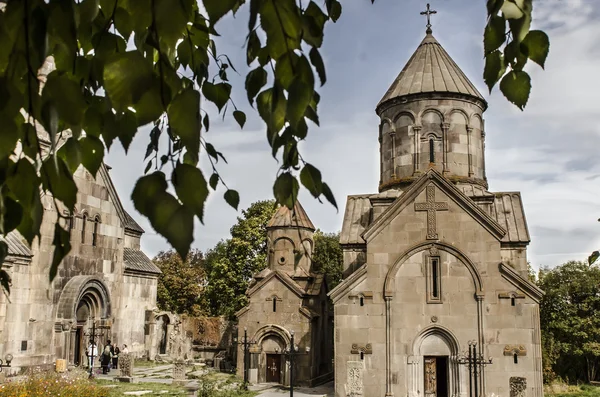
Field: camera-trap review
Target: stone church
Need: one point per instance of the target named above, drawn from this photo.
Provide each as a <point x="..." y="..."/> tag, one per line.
<point x="106" y="279"/>
<point x="434" y="263"/>
<point x="287" y="298"/>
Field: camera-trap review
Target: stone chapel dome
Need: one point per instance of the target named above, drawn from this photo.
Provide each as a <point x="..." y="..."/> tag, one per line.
<point x="431" y="117"/>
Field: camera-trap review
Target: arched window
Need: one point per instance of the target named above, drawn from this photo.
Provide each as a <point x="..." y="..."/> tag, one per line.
<point x="84" y="223"/>
<point x="512" y="301"/>
<point x="96" y="227"/>
<point x="431" y="151"/>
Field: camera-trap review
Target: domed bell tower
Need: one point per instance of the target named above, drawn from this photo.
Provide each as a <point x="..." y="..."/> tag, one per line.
<point x="431" y="117"/>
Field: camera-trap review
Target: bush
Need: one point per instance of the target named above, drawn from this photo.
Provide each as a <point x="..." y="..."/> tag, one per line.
<point x="51" y="384"/>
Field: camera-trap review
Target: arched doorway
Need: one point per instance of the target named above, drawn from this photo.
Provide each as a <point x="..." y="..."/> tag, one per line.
<point x="268" y="356"/>
<point x="438" y="375"/>
<point x="162" y="324"/>
<point x="84" y="301"/>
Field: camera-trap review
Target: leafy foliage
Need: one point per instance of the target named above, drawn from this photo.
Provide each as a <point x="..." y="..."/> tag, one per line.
<point x="231" y="264"/>
<point x="181" y="285"/>
<point x="508" y="25"/>
<point x="569" y="320"/>
<point x="109" y="67"/>
<point x="327" y="257"/>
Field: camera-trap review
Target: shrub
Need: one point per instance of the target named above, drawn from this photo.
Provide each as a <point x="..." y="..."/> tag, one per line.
<point x="51" y="384"/>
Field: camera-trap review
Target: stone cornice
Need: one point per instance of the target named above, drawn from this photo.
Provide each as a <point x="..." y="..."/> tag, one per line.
<point x="530" y="289"/>
<point x="338" y="292"/>
<point x="382" y="107"/>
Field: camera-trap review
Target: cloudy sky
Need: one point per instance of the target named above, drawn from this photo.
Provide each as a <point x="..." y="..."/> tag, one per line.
<point x="548" y="152"/>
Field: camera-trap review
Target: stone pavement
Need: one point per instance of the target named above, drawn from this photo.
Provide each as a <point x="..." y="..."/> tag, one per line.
<point x="325" y="390"/>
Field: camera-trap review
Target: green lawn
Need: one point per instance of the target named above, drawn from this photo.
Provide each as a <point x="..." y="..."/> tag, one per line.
<point x="156" y="388"/>
<point x="577" y="391"/>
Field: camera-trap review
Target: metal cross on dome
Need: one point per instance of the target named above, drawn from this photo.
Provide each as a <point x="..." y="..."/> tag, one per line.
<point x="428" y="12"/>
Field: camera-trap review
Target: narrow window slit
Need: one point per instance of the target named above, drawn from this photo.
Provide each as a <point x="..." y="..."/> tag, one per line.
<point x="274" y="304"/>
<point x="435" y="279"/>
<point x="362" y="355"/>
<point x="512" y="300"/>
<point x="516" y="358"/>
<point x="362" y="301"/>
<point x="431" y="151"/>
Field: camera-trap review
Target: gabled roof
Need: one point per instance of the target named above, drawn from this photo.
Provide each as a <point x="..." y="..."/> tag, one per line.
<point x="136" y="261"/>
<point x="284" y="278"/>
<point x="357" y="218"/>
<point x="430" y="69"/>
<point x="433" y="176"/>
<point x="284" y="217"/>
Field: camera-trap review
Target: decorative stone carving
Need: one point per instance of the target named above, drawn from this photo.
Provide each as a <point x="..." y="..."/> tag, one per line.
<point x="366" y="349"/>
<point x="519" y="350"/>
<point x="179" y="372"/>
<point x="434" y="319"/>
<point x="126" y="365"/>
<point x="354" y="386"/>
<point x="431" y="207"/>
<point x="518" y="386"/>
<point x="433" y="251"/>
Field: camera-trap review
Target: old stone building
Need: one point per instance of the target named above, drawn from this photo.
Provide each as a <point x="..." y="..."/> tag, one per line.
<point x="106" y="278"/>
<point x="434" y="262"/>
<point x="285" y="297"/>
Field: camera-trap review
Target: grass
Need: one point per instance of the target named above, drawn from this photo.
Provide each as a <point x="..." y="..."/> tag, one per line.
<point x="118" y="388"/>
<point x="575" y="391"/>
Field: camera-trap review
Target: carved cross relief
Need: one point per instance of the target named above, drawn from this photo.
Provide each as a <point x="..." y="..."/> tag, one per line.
<point x="431" y="206"/>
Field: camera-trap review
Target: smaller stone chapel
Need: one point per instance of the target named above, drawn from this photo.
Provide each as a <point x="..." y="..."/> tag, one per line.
<point x="284" y="298"/>
<point x="435" y="301"/>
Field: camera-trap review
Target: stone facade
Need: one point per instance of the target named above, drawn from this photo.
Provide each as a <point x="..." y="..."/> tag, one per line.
<point x="434" y="262"/>
<point x="287" y="297"/>
<point x="105" y="277"/>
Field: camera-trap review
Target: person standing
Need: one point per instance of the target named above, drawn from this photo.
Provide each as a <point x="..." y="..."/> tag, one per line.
<point x="112" y="353"/>
<point x="125" y="349"/>
<point x="91" y="353"/>
<point x="115" y="357"/>
<point x="105" y="359"/>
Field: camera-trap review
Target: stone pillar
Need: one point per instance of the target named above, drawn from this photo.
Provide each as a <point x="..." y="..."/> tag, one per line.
<point x="388" y="347"/>
<point x="393" y="137"/>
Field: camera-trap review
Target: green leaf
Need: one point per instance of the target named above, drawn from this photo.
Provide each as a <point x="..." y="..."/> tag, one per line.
<point x="329" y="195"/>
<point x="240" y="117"/>
<point x="495" y="34"/>
<point x="10" y="133"/>
<point x="334" y="8"/>
<point x="70" y="152"/>
<point x="127" y="77"/>
<point x="184" y="52"/>
<point x="310" y="177"/>
<point x="92" y="151"/>
<point x="57" y="178"/>
<point x="280" y="19"/>
<point x="171" y="19"/>
<point x="494" y="68"/>
<point x="217" y="9"/>
<point x="126" y="128"/>
<point x="593" y="257"/>
<point x="217" y="93"/>
<point x="5" y="280"/>
<point x="313" y="22"/>
<point x="516" y="86"/>
<point x="212" y="152"/>
<point x="538" y="46"/>
<point x="214" y="181"/>
<point x="255" y="80"/>
<point x="300" y="95"/>
<point x="184" y="120"/>
<point x="232" y="197"/>
<point x="167" y="216"/>
<point x="494" y="6"/>
<point x="271" y="105"/>
<point x="286" y="189"/>
<point x="191" y="188"/>
<point x="62" y="247"/>
<point x="65" y="94"/>
<point x="12" y="214"/>
<point x="317" y="62"/>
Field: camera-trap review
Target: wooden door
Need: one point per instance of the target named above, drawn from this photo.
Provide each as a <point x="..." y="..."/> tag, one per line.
<point x="430" y="377"/>
<point x="274" y="368"/>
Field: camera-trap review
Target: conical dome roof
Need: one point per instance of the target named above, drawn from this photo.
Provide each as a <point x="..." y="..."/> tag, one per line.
<point x="284" y="217"/>
<point x="430" y="70"/>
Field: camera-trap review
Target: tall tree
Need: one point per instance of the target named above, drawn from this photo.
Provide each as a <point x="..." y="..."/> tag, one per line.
<point x="328" y="257"/>
<point x="181" y="284"/>
<point x="123" y="64"/>
<point x="231" y="264"/>
<point x="570" y="322"/>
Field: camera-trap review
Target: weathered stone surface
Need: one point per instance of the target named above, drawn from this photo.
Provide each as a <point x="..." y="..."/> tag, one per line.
<point x="126" y="365"/>
<point x="518" y="386"/>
